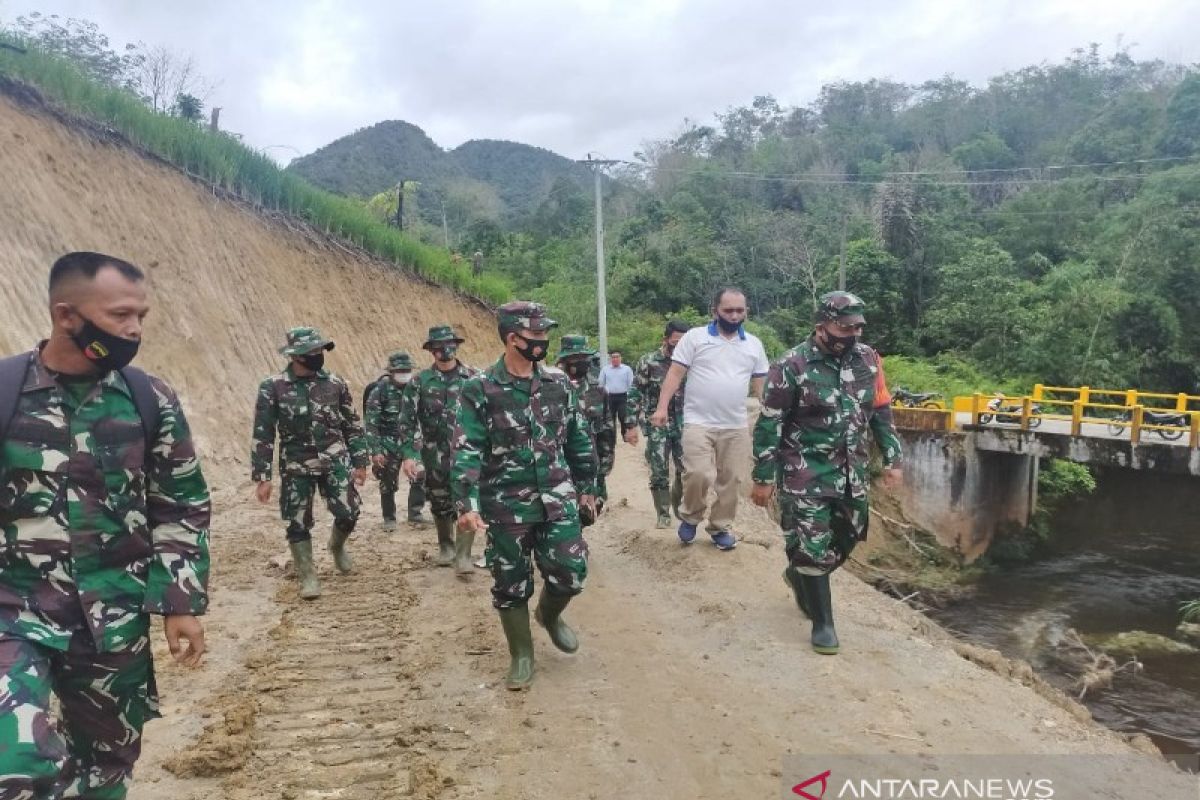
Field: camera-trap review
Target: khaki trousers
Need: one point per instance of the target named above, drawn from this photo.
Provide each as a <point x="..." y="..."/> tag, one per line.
<point x="716" y="459"/>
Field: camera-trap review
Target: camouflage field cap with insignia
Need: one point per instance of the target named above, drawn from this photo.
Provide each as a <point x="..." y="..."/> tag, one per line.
<point x="400" y="361"/>
<point x="304" y="340"/>
<point x="523" y="314"/>
<point x="844" y="307"/>
<point x="574" y="344"/>
<point x="441" y="334"/>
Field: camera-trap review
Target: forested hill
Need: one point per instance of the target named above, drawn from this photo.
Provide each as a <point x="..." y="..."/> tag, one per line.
<point x="496" y="179"/>
<point x="1042" y="226"/>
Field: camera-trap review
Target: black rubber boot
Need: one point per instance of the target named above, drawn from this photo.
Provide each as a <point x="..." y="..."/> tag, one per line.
<point x="824" y="637"/>
<point x="795" y="582"/>
<point x="387" y="504"/>
<point x="416" y="501"/>
<point x="445" y="535"/>
<point x="662" y="506"/>
<point x="549" y="616"/>
<point x="515" y="622"/>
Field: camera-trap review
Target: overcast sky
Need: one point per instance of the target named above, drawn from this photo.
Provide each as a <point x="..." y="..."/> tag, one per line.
<point x="602" y="76"/>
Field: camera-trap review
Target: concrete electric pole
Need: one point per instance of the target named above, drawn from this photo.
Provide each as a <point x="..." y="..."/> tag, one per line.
<point x="597" y="166"/>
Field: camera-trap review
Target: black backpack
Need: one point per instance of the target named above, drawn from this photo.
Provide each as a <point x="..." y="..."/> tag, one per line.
<point x="367" y="392"/>
<point x="12" y="380"/>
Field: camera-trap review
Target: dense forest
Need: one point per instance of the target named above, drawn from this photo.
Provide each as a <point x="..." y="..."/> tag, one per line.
<point x="480" y="179"/>
<point x="1044" y="227"/>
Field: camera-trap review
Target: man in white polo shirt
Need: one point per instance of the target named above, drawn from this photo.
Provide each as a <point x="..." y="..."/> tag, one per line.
<point x="721" y="360"/>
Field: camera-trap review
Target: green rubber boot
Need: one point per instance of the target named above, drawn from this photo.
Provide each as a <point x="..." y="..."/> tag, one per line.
<point x="662" y="505"/>
<point x="306" y="573"/>
<point x="337" y="546"/>
<point x="677" y="494"/>
<point x="520" y="647"/>
<point x="824" y="637"/>
<point x="795" y="582"/>
<point x="549" y="616"/>
<point x="462" y="554"/>
<point x="445" y="534"/>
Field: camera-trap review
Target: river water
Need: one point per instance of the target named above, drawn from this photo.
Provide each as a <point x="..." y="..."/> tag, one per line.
<point x="1123" y="559"/>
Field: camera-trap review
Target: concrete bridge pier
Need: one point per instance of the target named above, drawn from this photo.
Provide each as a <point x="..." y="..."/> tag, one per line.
<point x="964" y="495"/>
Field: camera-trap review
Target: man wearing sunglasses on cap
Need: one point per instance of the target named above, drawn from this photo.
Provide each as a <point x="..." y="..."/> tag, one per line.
<point x="811" y="445"/>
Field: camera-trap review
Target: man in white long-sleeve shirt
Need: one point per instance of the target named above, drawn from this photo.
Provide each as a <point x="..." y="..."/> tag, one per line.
<point x="720" y="361"/>
<point x="616" y="379"/>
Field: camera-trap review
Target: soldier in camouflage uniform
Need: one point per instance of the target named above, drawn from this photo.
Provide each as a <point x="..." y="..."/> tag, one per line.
<point x="664" y="446"/>
<point x="427" y="434"/>
<point x="381" y="414"/>
<point x="811" y="443"/>
<point x="321" y="449"/>
<point x="105" y="517"/>
<point x="575" y="359"/>
<point x="523" y="465"/>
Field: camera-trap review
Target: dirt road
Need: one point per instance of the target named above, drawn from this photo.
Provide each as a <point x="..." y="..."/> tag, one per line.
<point x="694" y="678"/>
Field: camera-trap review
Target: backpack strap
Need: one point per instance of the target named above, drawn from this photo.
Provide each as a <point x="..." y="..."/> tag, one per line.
<point x="12" y="380"/>
<point x="146" y="401"/>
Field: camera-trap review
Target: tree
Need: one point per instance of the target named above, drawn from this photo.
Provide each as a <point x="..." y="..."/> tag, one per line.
<point x="162" y="76"/>
<point x="188" y="107"/>
<point x="81" y="42"/>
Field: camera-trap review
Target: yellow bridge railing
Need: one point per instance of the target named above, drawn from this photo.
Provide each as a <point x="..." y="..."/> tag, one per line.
<point x="1117" y="411"/>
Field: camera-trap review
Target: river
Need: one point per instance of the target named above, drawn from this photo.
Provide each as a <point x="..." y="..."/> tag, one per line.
<point x="1122" y="559"/>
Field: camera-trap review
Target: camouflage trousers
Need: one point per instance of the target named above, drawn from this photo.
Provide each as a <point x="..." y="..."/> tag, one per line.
<point x="389" y="483"/>
<point x="664" y="447"/>
<point x="437" y="488"/>
<point x="606" y="457"/>
<point x="104" y="698"/>
<point x="819" y="533"/>
<point x="296" y="500"/>
<point x="557" y="547"/>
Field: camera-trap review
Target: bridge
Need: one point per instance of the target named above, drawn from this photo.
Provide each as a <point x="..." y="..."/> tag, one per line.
<point x="971" y="473"/>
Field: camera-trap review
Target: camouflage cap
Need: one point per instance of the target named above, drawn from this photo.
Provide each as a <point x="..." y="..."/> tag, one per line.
<point x="842" y="306"/>
<point x="400" y="361"/>
<point x="574" y="344"/>
<point x="303" y="340"/>
<point x="524" y="314"/>
<point x="441" y="334"/>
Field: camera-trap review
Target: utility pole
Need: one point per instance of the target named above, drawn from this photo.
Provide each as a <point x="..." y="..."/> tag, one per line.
<point x="445" y="229"/>
<point x="842" y="260"/>
<point x="597" y="166"/>
<point x="400" y="204"/>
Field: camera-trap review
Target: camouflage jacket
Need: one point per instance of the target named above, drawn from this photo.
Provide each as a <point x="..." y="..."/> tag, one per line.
<point x="648" y="377"/>
<point x="96" y="537"/>
<point x="591" y="400"/>
<point x="427" y="417"/>
<point x="382" y="417"/>
<point x="521" y="447"/>
<point x="811" y="437"/>
<point x="316" y="423"/>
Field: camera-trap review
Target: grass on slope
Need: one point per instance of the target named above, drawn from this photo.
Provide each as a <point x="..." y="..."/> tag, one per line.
<point x="224" y="161"/>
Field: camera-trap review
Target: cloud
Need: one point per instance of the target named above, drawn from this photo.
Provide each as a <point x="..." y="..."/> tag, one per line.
<point x="595" y="75"/>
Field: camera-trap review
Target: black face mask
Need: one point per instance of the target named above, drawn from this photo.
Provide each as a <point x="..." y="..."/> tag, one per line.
<point x="840" y="344"/>
<point x="577" y="369"/>
<point x="106" y="350"/>
<point x="669" y="349"/>
<point x="446" y="352"/>
<point x="532" y="349"/>
<point x="314" y="361"/>
<point x="726" y="326"/>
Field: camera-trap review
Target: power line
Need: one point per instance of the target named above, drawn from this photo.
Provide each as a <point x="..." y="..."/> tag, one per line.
<point x="831" y="179"/>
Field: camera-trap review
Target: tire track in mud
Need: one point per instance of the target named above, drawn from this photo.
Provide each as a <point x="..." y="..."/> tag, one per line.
<point x="323" y="712"/>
